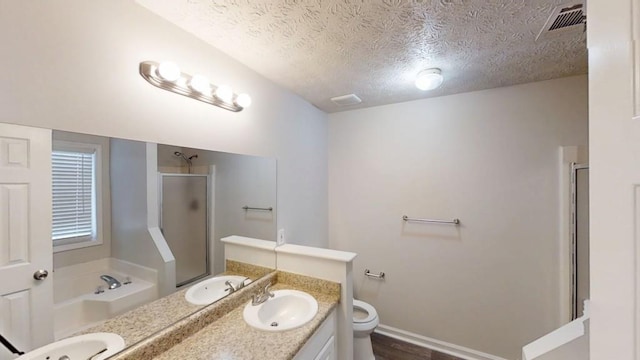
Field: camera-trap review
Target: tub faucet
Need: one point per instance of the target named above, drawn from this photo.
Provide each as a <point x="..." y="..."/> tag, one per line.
<point x="111" y="281"/>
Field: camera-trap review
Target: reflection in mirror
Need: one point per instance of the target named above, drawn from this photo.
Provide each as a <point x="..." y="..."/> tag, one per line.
<point x="135" y="221"/>
<point x="234" y="182"/>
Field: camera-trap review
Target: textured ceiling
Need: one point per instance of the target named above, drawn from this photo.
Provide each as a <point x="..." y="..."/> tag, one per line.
<point x="374" y="48"/>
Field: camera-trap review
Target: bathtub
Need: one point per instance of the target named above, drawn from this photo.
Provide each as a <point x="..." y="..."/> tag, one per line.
<point x="77" y="307"/>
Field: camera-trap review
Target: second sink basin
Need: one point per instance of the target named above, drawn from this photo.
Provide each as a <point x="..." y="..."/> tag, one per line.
<point x="95" y="346"/>
<point x="287" y="309"/>
<point x="213" y="289"/>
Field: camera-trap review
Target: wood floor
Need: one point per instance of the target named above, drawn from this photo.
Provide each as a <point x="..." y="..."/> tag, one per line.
<point x="386" y="348"/>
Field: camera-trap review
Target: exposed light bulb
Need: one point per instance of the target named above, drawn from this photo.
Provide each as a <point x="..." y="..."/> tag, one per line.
<point x="243" y="100"/>
<point x="429" y="79"/>
<point x="169" y="71"/>
<point x="200" y="84"/>
<point x="224" y="93"/>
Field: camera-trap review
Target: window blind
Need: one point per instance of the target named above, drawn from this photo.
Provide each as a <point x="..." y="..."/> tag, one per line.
<point x="73" y="194"/>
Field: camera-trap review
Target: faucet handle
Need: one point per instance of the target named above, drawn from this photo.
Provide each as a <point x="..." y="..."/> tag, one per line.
<point x="99" y="290"/>
<point x="268" y="292"/>
<point x="231" y="288"/>
<point x="256" y="299"/>
<point x="241" y="283"/>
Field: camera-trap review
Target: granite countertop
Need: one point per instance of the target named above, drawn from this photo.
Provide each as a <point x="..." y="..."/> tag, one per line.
<point x="230" y="337"/>
<point x="218" y="331"/>
<point x="143" y="321"/>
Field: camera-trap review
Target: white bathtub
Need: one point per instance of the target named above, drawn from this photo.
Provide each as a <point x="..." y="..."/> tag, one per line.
<point x="77" y="307"/>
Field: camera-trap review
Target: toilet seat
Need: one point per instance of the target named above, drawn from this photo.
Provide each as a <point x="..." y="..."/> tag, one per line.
<point x="363" y="327"/>
<point x="370" y="310"/>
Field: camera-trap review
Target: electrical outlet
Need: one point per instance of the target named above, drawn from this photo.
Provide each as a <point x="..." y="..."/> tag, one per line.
<point x="281" y="239"/>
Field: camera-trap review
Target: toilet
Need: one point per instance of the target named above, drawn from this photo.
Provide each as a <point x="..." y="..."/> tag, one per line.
<point x="365" y="320"/>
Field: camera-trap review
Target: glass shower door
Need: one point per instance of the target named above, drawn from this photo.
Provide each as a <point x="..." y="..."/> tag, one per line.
<point x="580" y="204"/>
<point x="184" y="223"/>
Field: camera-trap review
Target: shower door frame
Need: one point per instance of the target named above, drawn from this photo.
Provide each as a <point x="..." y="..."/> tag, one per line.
<point x="575" y="167"/>
<point x="208" y="222"/>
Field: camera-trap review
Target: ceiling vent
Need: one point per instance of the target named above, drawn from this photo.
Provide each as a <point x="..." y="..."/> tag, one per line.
<point x="346" y="100"/>
<point x="565" y="19"/>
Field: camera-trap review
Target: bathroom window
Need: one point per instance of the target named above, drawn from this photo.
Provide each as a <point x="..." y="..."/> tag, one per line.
<point x="75" y="169"/>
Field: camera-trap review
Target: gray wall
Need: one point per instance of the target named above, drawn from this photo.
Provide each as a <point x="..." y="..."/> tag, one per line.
<point x="131" y="211"/>
<point x="490" y="158"/>
<point x="74" y="66"/>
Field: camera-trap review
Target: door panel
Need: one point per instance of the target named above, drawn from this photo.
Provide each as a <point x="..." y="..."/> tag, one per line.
<point x="26" y="304"/>
<point x="614" y="173"/>
<point x="17" y="319"/>
<point x="14" y="200"/>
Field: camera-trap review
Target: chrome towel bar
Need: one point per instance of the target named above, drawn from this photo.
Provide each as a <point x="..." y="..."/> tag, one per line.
<point x="246" y="208"/>
<point x="379" y="275"/>
<point x="454" y="221"/>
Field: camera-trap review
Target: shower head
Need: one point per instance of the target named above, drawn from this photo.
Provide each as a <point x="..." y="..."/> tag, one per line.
<point x="179" y="154"/>
<point x="185" y="158"/>
<point x="182" y="155"/>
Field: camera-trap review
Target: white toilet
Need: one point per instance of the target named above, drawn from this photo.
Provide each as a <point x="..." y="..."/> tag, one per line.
<point x="365" y="320"/>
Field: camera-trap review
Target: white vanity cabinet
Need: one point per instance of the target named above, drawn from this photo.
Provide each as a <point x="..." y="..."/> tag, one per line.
<point x="322" y="344"/>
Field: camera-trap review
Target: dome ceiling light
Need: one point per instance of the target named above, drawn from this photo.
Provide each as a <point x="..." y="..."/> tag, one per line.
<point x="429" y="79"/>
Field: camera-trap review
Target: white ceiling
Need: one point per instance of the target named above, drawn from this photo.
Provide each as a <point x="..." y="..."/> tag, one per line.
<point x="374" y="48"/>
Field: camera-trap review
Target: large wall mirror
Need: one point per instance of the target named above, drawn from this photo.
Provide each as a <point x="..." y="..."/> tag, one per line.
<point x="148" y="217"/>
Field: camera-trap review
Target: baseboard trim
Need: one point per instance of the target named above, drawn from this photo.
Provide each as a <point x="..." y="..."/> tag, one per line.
<point x="433" y="344"/>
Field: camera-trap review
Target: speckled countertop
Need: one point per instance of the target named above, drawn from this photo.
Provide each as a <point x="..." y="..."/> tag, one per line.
<point x="141" y="322"/>
<point x="230" y="337"/>
<point x="219" y="331"/>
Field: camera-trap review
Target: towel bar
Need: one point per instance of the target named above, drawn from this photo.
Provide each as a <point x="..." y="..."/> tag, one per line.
<point x="454" y="221"/>
<point x="246" y="208"/>
<point x="379" y="275"/>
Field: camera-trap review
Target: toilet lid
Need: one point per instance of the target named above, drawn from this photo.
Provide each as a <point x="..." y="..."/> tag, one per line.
<point x="362" y="307"/>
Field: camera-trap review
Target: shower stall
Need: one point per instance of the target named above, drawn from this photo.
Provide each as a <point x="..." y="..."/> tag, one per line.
<point x="579" y="237"/>
<point x="184" y="222"/>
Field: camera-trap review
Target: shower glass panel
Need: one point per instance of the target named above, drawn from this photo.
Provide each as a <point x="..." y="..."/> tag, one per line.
<point x="580" y="238"/>
<point x="184" y="223"/>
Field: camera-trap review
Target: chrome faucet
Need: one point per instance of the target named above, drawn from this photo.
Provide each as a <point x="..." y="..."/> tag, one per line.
<point x="233" y="288"/>
<point x="262" y="297"/>
<point x="111" y="281"/>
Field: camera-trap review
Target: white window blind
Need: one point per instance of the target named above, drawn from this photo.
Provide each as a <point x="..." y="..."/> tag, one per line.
<point x="74" y="194"/>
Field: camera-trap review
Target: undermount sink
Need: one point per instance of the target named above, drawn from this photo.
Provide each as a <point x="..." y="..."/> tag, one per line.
<point x="287" y="309"/>
<point x="96" y="346"/>
<point x="213" y="289"/>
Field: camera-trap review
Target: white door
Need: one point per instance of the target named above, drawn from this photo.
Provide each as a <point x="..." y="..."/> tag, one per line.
<point x="26" y="304"/>
<point x="614" y="178"/>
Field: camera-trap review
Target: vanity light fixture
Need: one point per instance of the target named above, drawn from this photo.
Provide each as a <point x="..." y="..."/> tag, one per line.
<point x="168" y="71"/>
<point x="224" y="93"/>
<point x="243" y="100"/>
<point x="429" y="79"/>
<point x="168" y="76"/>
<point x="200" y="84"/>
